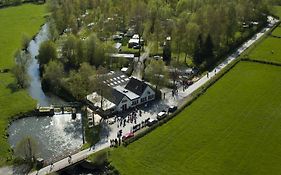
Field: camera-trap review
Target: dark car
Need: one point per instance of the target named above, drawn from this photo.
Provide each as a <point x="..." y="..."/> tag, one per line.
<point x="172" y="109"/>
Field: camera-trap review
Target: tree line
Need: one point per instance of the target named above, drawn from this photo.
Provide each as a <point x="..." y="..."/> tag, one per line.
<point x="185" y="21"/>
<point x="4" y="3"/>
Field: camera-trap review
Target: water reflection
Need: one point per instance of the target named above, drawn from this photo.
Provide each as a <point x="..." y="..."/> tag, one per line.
<point x="35" y="89"/>
<point x="56" y="136"/>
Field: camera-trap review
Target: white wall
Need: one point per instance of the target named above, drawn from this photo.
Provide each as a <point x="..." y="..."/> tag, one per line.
<point x="146" y="94"/>
<point x="128" y="102"/>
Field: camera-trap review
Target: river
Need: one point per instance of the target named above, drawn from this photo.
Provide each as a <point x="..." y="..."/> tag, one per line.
<point x="55" y="136"/>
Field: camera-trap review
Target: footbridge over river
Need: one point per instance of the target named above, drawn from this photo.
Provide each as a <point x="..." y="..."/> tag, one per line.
<point x="75" y="158"/>
<point x="51" y="110"/>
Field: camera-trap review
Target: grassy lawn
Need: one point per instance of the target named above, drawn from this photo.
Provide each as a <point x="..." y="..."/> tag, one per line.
<point x="269" y="48"/>
<point x="277" y="31"/>
<point x="14" y="22"/>
<point x="277" y="11"/>
<point x="234" y="128"/>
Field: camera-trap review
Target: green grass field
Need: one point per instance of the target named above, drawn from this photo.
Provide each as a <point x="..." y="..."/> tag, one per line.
<point x="277" y="31"/>
<point x="14" y="22"/>
<point x="277" y="10"/>
<point x="269" y="48"/>
<point x="234" y="128"/>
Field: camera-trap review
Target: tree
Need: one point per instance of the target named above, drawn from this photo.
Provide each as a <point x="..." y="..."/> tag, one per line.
<point x="167" y="52"/>
<point x="20" y="70"/>
<point x="25" y="41"/>
<point x="69" y="52"/>
<point x="208" y="52"/>
<point x="174" y="71"/>
<point x="232" y="24"/>
<point x="80" y="84"/>
<point x="198" y="51"/>
<point x="53" y="74"/>
<point x="26" y="149"/>
<point x="190" y="35"/>
<point x="157" y="73"/>
<point x="47" y="52"/>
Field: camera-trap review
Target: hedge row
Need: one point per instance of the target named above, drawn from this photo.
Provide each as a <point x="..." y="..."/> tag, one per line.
<point x="19" y="2"/>
<point x="189" y="100"/>
<point x="261" y="61"/>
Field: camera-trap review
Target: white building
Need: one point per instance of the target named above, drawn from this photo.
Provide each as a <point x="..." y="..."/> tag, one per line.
<point x="121" y="98"/>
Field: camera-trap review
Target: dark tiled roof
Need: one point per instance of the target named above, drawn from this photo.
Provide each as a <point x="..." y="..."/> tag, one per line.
<point x="114" y="96"/>
<point x="136" y="86"/>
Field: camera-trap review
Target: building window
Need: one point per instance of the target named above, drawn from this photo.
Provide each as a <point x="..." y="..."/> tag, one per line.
<point x="150" y="97"/>
<point x="148" y="92"/>
<point x="143" y="99"/>
<point x="135" y="102"/>
<point x="124" y="101"/>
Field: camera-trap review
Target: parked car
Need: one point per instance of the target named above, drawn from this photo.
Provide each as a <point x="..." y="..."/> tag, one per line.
<point x="136" y="47"/>
<point x="161" y="115"/>
<point x="172" y="109"/>
<point x="151" y="122"/>
<point x="127" y="136"/>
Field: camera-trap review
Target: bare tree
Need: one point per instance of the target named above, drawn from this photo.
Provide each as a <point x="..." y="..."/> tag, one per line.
<point x="26" y="149"/>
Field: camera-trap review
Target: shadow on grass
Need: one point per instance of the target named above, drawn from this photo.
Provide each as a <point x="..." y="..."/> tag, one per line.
<point x="13" y="87"/>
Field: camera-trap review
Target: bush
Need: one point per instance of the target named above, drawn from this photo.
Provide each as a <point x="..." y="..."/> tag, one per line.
<point x="99" y="159"/>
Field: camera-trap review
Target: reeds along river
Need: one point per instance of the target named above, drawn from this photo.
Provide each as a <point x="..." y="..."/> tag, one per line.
<point x="56" y="136"/>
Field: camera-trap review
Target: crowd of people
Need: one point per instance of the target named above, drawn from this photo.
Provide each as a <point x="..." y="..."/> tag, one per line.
<point x="131" y="118"/>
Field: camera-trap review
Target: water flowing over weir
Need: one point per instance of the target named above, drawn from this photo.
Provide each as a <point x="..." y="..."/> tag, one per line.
<point x="56" y="136"/>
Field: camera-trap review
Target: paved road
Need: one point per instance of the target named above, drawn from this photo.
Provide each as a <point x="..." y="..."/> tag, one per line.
<point x="169" y="100"/>
<point x="139" y="64"/>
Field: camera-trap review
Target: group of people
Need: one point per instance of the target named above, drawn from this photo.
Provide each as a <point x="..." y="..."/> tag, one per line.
<point x="115" y="142"/>
<point x="131" y="118"/>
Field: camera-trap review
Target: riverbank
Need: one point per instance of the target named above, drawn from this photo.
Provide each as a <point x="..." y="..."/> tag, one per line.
<point x="15" y="21"/>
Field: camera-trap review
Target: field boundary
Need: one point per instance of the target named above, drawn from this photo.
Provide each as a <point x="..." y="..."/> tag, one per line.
<point x="272" y="63"/>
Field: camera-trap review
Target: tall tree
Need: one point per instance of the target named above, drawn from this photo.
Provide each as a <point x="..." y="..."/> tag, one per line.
<point x="54" y="74"/>
<point x="208" y="52"/>
<point x="156" y="72"/>
<point x="47" y="52"/>
<point x="20" y="70"/>
<point x="198" y="51"/>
